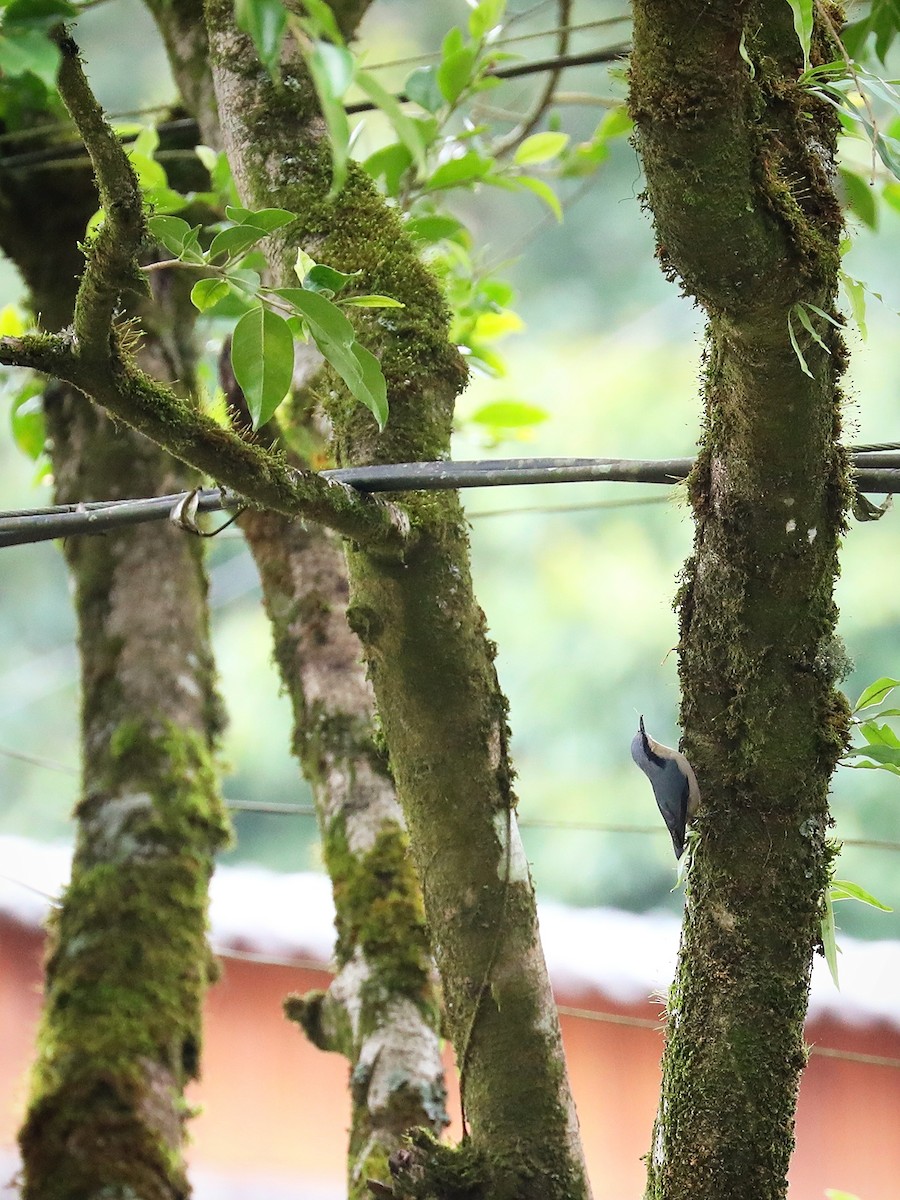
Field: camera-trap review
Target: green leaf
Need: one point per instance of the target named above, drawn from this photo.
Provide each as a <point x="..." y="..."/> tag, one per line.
<point x="742" y="50"/>
<point x="322" y="21"/>
<point x="492" y="325"/>
<point x="373" y="301"/>
<point x="803" y="26"/>
<point x="856" y="294"/>
<point x="208" y="292"/>
<point x="802" y="315"/>
<point x="540" y="148"/>
<point x="390" y="163"/>
<point x="883" y="20"/>
<point x="262" y="357"/>
<point x="464" y="171"/>
<point x="336" y="338"/>
<point x="843" y="889"/>
<point x="453" y="41"/>
<point x="422" y="88"/>
<point x="879" y="735"/>
<point x="820" y="312"/>
<point x="336" y="67"/>
<point x="860" y="197"/>
<point x="37" y="12"/>
<point x="12" y="321"/>
<point x="372" y="386"/>
<point x="165" y="200"/>
<point x="544" y="191"/>
<point x="303" y="264"/>
<point x="331" y="68"/>
<point x="829" y="943"/>
<point x="327" y="280"/>
<point x="437" y="228"/>
<point x="485" y="17"/>
<point x="885" y="23"/>
<point x="146" y="142"/>
<point x="219" y="168"/>
<point x="584" y="158"/>
<point x="876" y="693"/>
<point x="804" y="366"/>
<point x="245" y="281"/>
<point x="266" y="219"/>
<point x="457" y="69"/>
<point x="265" y="22"/>
<point x="888" y="150"/>
<point x="30" y="50"/>
<point x="234" y="241"/>
<point x="149" y="172"/>
<point x="236" y="303"/>
<point x="863" y="765"/>
<point x="27" y="420"/>
<point x="171" y="232"/>
<point x="616" y="123"/>
<point x="409" y="131"/>
<point x="884" y="756"/>
<point x="509" y="414"/>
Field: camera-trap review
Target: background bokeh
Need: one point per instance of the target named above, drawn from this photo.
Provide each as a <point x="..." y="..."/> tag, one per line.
<point x="576" y="580"/>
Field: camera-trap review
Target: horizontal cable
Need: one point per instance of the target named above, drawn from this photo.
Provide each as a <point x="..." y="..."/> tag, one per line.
<point x="576" y="826"/>
<point x="36" y="131"/>
<point x="267" y="808"/>
<point x="75" y="150"/>
<point x="26" y="526"/>
<point x="559" y="62"/>
<point x="564" y="1010"/>
<point x="553" y="31"/>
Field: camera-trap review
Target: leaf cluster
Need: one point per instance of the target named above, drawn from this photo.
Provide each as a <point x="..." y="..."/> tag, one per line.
<point x="262" y="347"/>
<point x="881" y="749"/>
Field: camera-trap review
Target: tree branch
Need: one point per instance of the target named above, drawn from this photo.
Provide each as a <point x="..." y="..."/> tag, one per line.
<point x="258" y="476"/>
<point x="94" y="359"/>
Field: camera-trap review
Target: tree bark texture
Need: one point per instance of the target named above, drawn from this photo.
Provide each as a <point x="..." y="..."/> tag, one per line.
<point x="429" y="659"/>
<point x="740" y="161"/>
<point x="128" y="963"/>
<point x="382" y="1010"/>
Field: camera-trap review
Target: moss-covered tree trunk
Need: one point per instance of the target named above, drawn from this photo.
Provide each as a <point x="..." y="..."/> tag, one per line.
<point x="431" y="664"/>
<point x="739" y="160"/>
<point x="128" y="963"/>
<point x="382" y="1010"/>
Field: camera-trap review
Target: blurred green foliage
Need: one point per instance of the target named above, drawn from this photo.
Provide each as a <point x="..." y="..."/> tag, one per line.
<point x="579" y="602"/>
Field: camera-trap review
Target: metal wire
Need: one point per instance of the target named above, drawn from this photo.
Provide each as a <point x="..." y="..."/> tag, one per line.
<point x="27" y="526"/>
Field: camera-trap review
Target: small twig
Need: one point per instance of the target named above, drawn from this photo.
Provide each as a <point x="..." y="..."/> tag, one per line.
<point x="515" y="137"/>
<point x="174" y="264"/>
<point x="517" y="70"/>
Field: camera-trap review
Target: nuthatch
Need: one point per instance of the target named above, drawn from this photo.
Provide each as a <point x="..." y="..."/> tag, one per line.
<point x="673" y="780"/>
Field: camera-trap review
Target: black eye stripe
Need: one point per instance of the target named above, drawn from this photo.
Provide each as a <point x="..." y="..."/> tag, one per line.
<point x="657" y="759"/>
